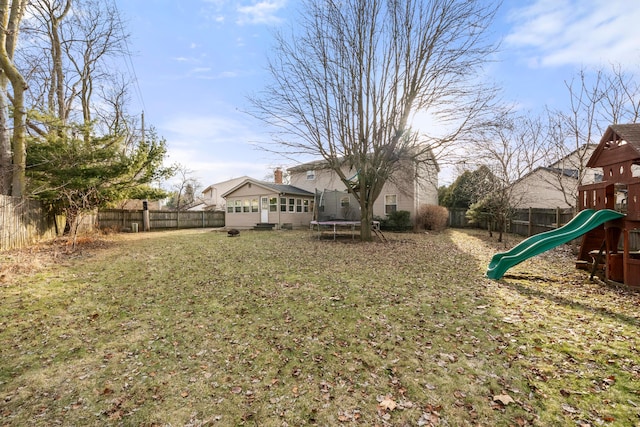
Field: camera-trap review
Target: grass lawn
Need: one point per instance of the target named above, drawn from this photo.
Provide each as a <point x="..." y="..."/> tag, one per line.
<point x="280" y="329"/>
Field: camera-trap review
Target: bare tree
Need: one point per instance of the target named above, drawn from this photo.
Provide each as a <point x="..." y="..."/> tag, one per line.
<point x="68" y="56"/>
<point x="512" y="149"/>
<point x="348" y="85"/>
<point x="184" y="188"/>
<point x="596" y="99"/>
<point x="13" y="153"/>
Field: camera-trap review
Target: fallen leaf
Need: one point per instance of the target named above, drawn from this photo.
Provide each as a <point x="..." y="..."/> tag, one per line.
<point x="387" y="404"/>
<point x="505" y="399"/>
<point x="570" y="409"/>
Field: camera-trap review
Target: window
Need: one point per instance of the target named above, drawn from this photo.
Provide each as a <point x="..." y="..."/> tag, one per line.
<point x="390" y="203"/>
<point x="230" y="207"/>
<point x="311" y="175"/>
<point x="254" y="205"/>
<point x="283" y="204"/>
<point x="273" y="204"/>
<point x="305" y="205"/>
<point x="247" y="206"/>
<point x="298" y="205"/>
<point x="344" y="202"/>
<point x="238" y="206"/>
<point x="292" y="205"/>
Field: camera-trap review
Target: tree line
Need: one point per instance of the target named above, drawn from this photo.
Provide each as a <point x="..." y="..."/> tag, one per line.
<point x="67" y="136"/>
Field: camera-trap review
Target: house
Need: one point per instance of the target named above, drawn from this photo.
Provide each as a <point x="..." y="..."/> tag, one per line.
<point x="414" y="184"/>
<point x="212" y="195"/>
<point x="254" y="204"/>
<point x="556" y="185"/>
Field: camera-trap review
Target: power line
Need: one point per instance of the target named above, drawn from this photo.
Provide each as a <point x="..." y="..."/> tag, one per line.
<point x="128" y="61"/>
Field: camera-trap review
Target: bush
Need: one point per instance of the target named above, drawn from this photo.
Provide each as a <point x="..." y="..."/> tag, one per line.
<point x="396" y="221"/>
<point x="432" y="217"/>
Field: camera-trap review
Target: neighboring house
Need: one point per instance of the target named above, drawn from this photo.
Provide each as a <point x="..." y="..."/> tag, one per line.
<point x="414" y="184"/>
<point x="198" y="206"/>
<point x="253" y="202"/>
<point x="212" y="195"/>
<point x="555" y="186"/>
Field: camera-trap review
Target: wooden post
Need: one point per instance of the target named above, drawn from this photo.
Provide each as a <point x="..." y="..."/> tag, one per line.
<point x="145" y="215"/>
<point x="530" y="225"/>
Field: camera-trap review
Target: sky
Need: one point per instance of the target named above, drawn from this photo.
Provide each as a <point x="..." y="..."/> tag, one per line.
<point x="197" y="61"/>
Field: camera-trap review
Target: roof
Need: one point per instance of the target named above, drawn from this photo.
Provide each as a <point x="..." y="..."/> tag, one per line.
<point x="278" y="188"/>
<point x="225" y="183"/>
<point x="570" y="173"/>
<point x="628" y="132"/>
<point x="625" y="137"/>
<point x="313" y="165"/>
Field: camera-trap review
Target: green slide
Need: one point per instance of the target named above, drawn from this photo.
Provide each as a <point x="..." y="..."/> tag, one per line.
<point x="585" y="221"/>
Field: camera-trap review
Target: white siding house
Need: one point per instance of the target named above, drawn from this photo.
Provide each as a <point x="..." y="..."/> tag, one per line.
<point x="212" y="195"/>
<point x="415" y="184"/>
<point x="555" y="186"/>
<point x="254" y="202"/>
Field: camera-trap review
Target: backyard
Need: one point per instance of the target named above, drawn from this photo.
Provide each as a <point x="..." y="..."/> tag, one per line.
<point x="193" y="328"/>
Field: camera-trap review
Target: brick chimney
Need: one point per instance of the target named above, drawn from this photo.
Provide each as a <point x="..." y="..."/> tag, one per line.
<point x="277" y="176"/>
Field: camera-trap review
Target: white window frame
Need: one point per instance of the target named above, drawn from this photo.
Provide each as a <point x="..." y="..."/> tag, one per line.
<point x="388" y="205"/>
<point x="273" y="204"/>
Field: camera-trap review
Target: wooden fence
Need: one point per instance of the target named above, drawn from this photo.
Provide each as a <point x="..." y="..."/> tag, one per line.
<point x="24" y="222"/>
<point x="120" y="219"/>
<point x="525" y="222"/>
<point x="531" y="221"/>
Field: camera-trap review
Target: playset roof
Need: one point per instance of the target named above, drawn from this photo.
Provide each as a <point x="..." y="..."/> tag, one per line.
<point x="619" y="144"/>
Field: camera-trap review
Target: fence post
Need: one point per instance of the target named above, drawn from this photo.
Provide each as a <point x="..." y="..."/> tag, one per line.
<point x="558" y="217"/>
<point x="530" y="226"/>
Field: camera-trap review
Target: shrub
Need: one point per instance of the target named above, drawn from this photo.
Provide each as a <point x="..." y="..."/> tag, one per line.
<point x="397" y="221"/>
<point x="432" y="217"/>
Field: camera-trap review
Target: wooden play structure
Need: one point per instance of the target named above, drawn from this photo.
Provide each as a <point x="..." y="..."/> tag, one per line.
<point x="615" y="243"/>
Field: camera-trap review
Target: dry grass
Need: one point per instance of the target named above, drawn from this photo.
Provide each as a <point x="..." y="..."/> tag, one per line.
<point x="272" y="329"/>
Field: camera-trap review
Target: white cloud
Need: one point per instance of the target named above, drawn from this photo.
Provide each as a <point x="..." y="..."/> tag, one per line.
<point x="216" y="148"/>
<point x="262" y="12"/>
<point x="552" y="33"/>
<point x="201" y="70"/>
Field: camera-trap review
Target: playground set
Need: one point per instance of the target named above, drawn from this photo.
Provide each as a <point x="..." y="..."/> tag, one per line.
<point x="609" y="216"/>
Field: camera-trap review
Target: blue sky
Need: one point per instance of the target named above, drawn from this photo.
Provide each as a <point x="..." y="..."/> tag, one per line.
<point x="197" y="60"/>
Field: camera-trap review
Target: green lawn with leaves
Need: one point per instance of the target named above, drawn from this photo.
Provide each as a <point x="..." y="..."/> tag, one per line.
<point x="281" y="329"/>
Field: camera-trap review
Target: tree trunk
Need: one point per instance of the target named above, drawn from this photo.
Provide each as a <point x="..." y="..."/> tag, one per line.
<point x="10" y="17"/>
<point x="366" y="216"/>
<point x="5" y="138"/>
<point x="18" y="181"/>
